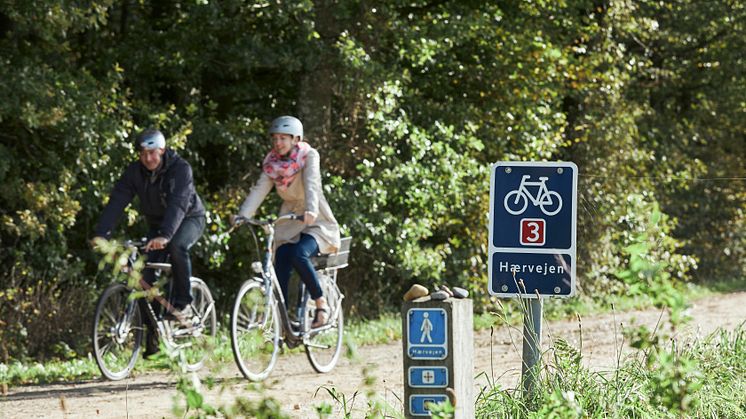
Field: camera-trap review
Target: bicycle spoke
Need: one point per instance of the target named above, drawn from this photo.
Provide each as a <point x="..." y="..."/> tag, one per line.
<point x="105" y="349"/>
<point x="110" y="316"/>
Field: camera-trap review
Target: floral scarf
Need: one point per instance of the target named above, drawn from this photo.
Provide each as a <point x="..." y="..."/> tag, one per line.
<point x="283" y="169"/>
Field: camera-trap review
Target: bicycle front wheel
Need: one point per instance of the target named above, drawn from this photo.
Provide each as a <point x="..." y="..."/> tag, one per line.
<point x="202" y="338"/>
<point x="324" y="346"/>
<point x="255" y="330"/>
<point x="117" y="332"/>
<point x="515" y="202"/>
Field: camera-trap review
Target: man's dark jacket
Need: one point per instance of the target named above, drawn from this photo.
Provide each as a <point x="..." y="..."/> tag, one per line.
<point x="167" y="196"/>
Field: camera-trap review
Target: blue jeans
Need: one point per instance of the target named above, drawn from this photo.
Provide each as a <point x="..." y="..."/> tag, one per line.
<point x="186" y="235"/>
<point x="297" y="255"/>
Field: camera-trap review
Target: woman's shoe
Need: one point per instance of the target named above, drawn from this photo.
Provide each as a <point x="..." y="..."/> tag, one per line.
<point x="320" y="317"/>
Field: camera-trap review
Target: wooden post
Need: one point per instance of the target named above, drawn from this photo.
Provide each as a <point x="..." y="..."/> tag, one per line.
<point x="438" y="345"/>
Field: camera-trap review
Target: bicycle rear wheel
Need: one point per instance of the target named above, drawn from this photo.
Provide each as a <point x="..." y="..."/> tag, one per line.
<point x="201" y="340"/>
<point x="324" y="346"/>
<point x="117" y="332"/>
<point x="255" y="330"/>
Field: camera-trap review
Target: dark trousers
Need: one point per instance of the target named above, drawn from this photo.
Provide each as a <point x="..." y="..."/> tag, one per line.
<point x="178" y="247"/>
<point x="298" y="256"/>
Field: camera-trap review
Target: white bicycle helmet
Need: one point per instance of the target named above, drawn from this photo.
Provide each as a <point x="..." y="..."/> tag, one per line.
<point x="150" y="139"/>
<point x="287" y="125"/>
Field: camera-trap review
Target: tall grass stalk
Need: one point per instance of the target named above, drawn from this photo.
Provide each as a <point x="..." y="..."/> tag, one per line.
<point x="697" y="378"/>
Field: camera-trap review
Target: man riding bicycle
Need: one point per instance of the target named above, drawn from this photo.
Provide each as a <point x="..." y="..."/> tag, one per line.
<point x="162" y="181"/>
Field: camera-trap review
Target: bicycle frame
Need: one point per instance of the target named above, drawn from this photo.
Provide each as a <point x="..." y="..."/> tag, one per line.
<point x="122" y="308"/>
<point x="291" y="337"/>
<point x="542" y="193"/>
<point x="517" y="200"/>
<point x="261" y="323"/>
<point x="165" y="331"/>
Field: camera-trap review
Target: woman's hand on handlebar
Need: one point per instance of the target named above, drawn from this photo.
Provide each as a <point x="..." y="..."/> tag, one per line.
<point x="236" y="220"/>
<point x="309" y="218"/>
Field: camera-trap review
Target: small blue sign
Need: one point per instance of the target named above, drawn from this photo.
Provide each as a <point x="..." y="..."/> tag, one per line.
<point x="533" y="213"/>
<point x="427" y="334"/>
<point x="418" y="403"/>
<point x="428" y="377"/>
<point x="528" y="273"/>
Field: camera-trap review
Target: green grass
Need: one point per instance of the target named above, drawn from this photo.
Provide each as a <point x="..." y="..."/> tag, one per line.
<point x="704" y="378"/>
<point x="357" y="332"/>
<point x="385" y="329"/>
<point x="35" y="373"/>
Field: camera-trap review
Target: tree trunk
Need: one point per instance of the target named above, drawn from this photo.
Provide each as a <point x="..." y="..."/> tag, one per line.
<point x="317" y="84"/>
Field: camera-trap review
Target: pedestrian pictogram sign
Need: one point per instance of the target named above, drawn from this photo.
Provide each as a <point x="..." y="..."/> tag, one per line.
<point x="533" y="210"/>
<point x="427" y="333"/>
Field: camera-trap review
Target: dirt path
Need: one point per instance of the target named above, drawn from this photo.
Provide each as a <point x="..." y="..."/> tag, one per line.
<point x="293" y="383"/>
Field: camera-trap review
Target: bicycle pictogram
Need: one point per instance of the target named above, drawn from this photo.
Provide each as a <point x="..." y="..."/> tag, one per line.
<point x="516" y="201"/>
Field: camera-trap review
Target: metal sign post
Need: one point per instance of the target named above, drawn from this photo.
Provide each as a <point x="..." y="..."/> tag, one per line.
<point x="532" y="250"/>
<point x="531" y="366"/>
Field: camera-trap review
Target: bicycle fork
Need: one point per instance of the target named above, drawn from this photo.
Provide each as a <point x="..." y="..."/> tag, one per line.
<point x="122" y="328"/>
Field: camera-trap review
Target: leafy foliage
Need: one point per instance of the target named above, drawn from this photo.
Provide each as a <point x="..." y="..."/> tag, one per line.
<point x="409" y="102"/>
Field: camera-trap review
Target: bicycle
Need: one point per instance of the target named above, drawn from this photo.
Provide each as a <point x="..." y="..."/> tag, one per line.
<point x="118" y="322"/>
<point x="516" y="201"/>
<point x="260" y="323"/>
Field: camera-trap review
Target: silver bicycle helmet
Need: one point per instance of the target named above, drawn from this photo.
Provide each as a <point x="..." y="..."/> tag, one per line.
<point x="287" y="125"/>
<point x="150" y="139"/>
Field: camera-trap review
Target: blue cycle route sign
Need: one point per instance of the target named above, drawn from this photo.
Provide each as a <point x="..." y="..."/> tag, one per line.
<point x="533" y="212"/>
<point x="426" y="333"/>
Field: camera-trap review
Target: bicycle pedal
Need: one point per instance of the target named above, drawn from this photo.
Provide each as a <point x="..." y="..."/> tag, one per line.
<point x="190" y="331"/>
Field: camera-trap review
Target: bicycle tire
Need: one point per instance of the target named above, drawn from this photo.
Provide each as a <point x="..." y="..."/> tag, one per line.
<point x="557" y="199"/>
<point x="255" y="330"/>
<point x="517" y="205"/>
<point x="324" y="347"/>
<point x="200" y="343"/>
<point x="117" y="332"/>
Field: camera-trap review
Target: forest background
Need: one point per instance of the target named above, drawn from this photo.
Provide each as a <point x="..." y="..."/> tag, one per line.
<point x="409" y="103"/>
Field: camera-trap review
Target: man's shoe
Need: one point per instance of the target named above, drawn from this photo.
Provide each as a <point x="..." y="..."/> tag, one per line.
<point x="294" y="325"/>
<point x="151" y="344"/>
<point x="181" y="315"/>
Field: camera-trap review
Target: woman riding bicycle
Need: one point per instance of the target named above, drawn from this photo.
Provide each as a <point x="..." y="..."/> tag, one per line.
<point x="292" y="167"/>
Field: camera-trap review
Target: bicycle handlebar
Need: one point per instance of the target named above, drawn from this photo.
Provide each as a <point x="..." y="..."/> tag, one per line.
<point x="243" y="220"/>
<point x="139" y="243"/>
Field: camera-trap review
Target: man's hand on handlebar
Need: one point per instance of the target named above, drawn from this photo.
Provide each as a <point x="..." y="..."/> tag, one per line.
<point x="157" y="243"/>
